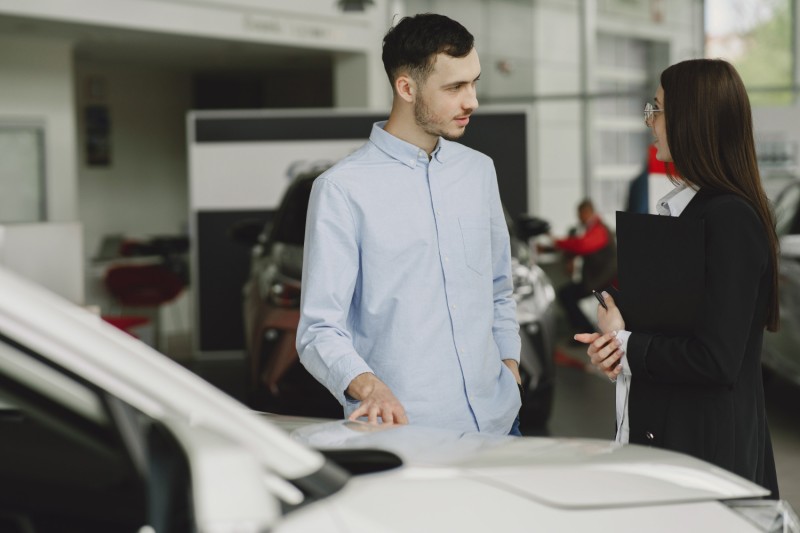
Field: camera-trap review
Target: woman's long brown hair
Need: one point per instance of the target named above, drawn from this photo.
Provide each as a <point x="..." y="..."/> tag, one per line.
<point x="710" y="136"/>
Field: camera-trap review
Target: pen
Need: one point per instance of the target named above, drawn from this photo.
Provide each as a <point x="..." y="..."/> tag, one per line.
<point x="600" y="299"/>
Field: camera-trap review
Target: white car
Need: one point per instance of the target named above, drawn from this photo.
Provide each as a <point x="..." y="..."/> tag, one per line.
<point x="100" y="433"/>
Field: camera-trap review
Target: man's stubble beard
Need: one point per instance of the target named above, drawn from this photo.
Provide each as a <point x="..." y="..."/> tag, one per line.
<point x="426" y="120"/>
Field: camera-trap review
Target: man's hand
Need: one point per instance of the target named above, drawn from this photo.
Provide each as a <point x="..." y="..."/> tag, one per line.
<point x="514" y="367"/>
<point x="377" y="400"/>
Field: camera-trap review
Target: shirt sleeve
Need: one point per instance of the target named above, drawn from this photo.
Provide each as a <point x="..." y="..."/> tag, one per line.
<point x="737" y="258"/>
<point x="330" y="270"/>
<point x="623" y="336"/>
<point x="505" y="328"/>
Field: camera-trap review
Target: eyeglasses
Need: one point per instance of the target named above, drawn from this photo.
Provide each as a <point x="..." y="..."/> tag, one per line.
<point x="649" y="113"/>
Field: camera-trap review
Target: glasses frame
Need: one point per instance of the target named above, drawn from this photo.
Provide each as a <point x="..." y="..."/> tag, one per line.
<point x="650" y="112"/>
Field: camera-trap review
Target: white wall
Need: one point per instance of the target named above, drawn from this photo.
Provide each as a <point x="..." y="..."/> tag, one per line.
<point x="144" y="190"/>
<point x="36" y="85"/>
<point x="307" y="23"/>
<point x="49" y="254"/>
<point x="313" y="24"/>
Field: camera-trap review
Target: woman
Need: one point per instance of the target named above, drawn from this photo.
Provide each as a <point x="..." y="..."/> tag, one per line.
<point x="702" y="394"/>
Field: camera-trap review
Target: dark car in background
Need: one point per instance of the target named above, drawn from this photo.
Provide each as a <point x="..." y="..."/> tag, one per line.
<point x="782" y="348"/>
<point x="271" y="298"/>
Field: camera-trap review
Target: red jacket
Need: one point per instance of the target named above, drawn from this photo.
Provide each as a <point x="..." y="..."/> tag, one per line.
<point x="594" y="239"/>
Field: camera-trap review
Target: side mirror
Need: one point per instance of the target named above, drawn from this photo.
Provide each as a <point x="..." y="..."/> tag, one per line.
<point x="528" y="226"/>
<point x="247" y="232"/>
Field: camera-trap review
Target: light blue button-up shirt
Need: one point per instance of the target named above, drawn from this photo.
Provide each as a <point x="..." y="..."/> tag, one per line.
<point x="407" y="274"/>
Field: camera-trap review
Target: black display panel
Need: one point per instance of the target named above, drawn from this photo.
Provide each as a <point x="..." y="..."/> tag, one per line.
<point x="223" y="267"/>
<point x="501" y="136"/>
<point x="222" y="264"/>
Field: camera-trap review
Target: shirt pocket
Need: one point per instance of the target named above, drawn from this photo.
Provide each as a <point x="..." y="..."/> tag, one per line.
<point x="476" y="234"/>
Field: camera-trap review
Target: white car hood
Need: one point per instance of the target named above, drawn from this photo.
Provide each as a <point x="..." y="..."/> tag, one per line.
<point x="565" y="473"/>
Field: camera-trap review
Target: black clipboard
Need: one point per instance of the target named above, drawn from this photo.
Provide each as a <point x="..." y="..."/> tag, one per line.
<point x="661" y="272"/>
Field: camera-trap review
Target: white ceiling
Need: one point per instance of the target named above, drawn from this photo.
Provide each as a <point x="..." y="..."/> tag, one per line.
<point x="122" y="46"/>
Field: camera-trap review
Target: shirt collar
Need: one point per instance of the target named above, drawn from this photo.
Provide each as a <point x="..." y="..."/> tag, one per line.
<point x="405" y="152"/>
<point x="675" y="201"/>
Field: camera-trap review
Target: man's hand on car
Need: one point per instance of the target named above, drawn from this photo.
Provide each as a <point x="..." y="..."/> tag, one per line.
<point x="377" y="400"/>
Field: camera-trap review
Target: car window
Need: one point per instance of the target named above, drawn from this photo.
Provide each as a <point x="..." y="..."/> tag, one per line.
<point x="290" y="222"/>
<point x="22" y="368"/>
<point x="787" y="214"/>
<point x="63" y="463"/>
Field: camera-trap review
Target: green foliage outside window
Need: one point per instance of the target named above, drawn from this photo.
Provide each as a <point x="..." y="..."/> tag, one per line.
<point x="756" y="36"/>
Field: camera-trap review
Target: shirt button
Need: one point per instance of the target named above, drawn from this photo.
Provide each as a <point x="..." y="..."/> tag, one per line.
<point x="446" y="258"/>
<point x="453" y="307"/>
<point x="421" y="153"/>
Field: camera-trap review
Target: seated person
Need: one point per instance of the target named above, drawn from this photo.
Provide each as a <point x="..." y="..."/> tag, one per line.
<point x="596" y="246"/>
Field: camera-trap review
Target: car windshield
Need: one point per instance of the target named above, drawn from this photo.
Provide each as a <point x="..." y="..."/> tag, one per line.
<point x="290" y="222"/>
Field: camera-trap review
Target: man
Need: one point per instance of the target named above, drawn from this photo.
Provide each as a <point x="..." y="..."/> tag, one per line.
<point x="597" y="248"/>
<point x="407" y="312"/>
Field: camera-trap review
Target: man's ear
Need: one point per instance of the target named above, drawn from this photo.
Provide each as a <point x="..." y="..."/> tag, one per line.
<point x="406" y="88"/>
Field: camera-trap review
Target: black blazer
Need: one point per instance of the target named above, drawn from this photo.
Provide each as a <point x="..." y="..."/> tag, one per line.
<point x="703" y="394"/>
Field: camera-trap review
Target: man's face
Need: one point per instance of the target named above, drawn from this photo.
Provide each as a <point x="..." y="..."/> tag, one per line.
<point x="585" y="214"/>
<point x="447" y="98"/>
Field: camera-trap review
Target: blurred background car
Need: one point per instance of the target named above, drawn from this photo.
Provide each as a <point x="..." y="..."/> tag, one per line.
<point x="101" y="433"/>
<point x="271" y="298"/>
<point x="782" y="348"/>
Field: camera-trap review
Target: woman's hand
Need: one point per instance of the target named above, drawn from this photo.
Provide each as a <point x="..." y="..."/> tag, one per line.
<point x="604" y="352"/>
<point x="611" y="319"/>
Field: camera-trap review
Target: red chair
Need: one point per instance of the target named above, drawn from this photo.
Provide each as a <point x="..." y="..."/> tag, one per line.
<point x="143" y="286"/>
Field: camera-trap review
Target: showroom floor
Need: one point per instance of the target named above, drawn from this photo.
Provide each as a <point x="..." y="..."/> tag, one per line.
<point x="584" y="407"/>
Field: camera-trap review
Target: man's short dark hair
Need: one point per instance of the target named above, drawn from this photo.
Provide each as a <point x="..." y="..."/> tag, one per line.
<point x="414" y="42"/>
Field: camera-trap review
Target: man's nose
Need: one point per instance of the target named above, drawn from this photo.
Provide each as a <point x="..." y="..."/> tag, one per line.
<point x="471" y="100"/>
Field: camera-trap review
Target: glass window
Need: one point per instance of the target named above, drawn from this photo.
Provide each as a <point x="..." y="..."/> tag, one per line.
<point x="22" y="171"/>
<point x="290" y="223"/>
<point x="756" y="36"/>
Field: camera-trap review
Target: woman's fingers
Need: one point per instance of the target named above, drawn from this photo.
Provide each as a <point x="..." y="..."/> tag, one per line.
<point x="604" y="352"/>
<point x="586" y="338"/>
